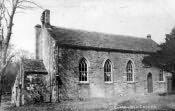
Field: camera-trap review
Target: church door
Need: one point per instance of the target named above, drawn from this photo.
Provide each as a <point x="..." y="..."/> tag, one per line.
<point x="149" y="83"/>
<point x="173" y="82"/>
<point x="169" y="85"/>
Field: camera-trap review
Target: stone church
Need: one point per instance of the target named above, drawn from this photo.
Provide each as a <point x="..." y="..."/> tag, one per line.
<point x="83" y="64"/>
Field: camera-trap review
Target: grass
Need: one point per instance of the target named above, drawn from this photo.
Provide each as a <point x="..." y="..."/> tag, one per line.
<point x="6" y="98"/>
<point x="144" y="103"/>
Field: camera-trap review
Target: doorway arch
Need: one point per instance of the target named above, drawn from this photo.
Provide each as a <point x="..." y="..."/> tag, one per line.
<point x="149" y="83"/>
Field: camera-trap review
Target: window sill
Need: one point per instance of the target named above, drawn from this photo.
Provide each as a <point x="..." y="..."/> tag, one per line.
<point x="131" y="82"/>
<point x="161" y="81"/>
<point x="109" y="82"/>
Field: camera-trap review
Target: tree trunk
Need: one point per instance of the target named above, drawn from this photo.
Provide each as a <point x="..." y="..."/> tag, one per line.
<point x="1" y="85"/>
<point x="5" y="48"/>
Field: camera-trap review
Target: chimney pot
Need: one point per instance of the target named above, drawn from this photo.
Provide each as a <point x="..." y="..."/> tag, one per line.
<point x="45" y="18"/>
<point x="149" y="36"/>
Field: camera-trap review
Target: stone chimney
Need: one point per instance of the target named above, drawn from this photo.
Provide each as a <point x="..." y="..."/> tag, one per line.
<point x="45" y="18"/>
<point x="149" y="36"/>
<point x="37" y="41"/>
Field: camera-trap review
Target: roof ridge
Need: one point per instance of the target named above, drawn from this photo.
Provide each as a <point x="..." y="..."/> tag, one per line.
<point x="102" y="33"/>
<point x="101" y="40"/>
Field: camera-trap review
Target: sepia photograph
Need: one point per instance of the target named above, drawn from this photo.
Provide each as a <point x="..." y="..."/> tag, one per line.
<point x="87" y="55"/>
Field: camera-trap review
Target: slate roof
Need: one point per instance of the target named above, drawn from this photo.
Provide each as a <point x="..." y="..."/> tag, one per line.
<point x="34" y="66"/>
<point x="101" y="40"/>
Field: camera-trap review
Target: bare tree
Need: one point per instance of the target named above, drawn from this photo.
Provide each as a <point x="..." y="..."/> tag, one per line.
<point x="8" y="10"/>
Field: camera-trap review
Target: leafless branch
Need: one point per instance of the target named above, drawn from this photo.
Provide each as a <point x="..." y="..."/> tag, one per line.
<point x="5" y="19"/>
<point x="8" y="13"/>
<point x="29" y="4"/>
<point x="5" y="65"/>
<point x="24" y="7"/>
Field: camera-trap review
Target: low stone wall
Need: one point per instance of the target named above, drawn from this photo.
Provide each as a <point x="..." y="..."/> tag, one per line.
<point x="34" y="89"/>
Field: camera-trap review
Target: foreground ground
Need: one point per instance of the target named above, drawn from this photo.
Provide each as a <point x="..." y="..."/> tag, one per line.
<point x="139" y="103"/>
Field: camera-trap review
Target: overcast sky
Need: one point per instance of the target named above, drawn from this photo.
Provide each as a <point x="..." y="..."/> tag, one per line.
<point x="127" y="17"/>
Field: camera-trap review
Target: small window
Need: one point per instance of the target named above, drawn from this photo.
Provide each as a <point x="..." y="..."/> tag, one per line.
<point x="83" y="70"/>
<point x="161" y="75"/>
<point x="107" y="71"/>
<point x="129" y="71"/>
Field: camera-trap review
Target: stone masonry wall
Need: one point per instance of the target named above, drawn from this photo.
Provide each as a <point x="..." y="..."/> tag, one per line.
<point x="96" y="86"/>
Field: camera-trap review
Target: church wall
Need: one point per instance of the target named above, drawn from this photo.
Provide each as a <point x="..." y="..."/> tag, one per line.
<point x="96" y="86"/>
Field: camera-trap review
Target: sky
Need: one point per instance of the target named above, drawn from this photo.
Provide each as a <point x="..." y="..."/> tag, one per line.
<point x="125" y="17"/>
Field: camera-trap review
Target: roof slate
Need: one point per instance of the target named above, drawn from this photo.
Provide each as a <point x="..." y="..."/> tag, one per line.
<point x="101" y="40"/>
<point x="34" y="66"/>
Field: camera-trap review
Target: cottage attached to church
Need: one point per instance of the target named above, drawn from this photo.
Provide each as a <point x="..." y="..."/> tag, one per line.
<point x="83" y="64"/>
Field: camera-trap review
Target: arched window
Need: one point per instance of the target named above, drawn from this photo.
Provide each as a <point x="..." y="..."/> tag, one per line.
<point x="161" y="75"/>
<point x="129" y="71"/>
<point x="107" y="71"/>
<point x="83" y="70"/>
